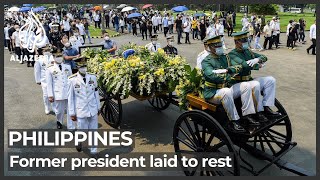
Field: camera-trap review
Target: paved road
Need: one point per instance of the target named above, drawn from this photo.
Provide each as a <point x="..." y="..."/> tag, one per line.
<point x="295" y="72"/>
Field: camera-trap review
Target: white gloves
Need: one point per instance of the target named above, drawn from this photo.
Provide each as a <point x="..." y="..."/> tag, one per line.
<point x="253" y="62"/>
<point x="219" y="71"/>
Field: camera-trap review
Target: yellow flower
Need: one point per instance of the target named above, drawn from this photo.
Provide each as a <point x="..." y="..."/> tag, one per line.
<point x="161" y="51"/>
<point x="141" y="77"/>
<point x="159" y="72"/>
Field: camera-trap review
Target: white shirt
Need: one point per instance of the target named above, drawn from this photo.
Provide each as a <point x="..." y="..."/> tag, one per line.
<point x="96" y="17"/>
<point x="244" y="21"/>
<point x="121" y="22"/>
<point x="40" y="67"/>
<point x="76" y="42"/>
<point x="65" y="24"/>
<point x="57" y="81"/>
<point x="288" y="27"/>
<point x="201" y="57"/>
<point x="159" y="20"/>
<point x="313" y="31"/>
<point x="187" y="26"/>
<point x="267" y="30"/>
<point x="154" y="20"/>
<point x="211" y="31"/>
<point x="220" y="29"/>
<point x="15" y="37"/>
<point x="151" y="48"/>
<point x="6" y="33"/>
<point x="83" y="97"/>
<point x="171" y="20"/>
<point x="80" y="26"/>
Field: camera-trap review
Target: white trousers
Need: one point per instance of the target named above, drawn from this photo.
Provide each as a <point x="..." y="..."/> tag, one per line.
<point x="60" y="107"/>
<point x="268" y="87"/>
<point x="89" y="123"/>
<point x="226" y="96"/>
<point x="47" y="105"/>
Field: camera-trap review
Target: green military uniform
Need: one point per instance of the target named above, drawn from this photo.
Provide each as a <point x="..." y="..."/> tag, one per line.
<point x="240" y="56"/>
<point x="215" y="81"/>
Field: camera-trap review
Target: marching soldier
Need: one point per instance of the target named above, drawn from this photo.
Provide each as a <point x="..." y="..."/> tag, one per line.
<point x="154" y="45"/>
<point x="221" y="89"/>
<point x="170" y="49"/>
<point x="57" y="79"/>
<point x="84" y="100"/>
<point x="40" y="68"/>
<point x="253" y="61"/>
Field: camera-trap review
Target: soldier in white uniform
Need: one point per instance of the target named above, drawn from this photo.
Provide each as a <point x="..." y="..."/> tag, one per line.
<point x="57" y="79"/>
<point x="83" y="100"/>
<point x="202" y="55"/>
<point x="154" y="45"/>
<point x="40" y="68"/>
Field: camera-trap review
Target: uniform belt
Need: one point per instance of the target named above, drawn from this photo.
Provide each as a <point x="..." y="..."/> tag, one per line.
<point x="213" y="85"/>
<point x="242" y="78"/>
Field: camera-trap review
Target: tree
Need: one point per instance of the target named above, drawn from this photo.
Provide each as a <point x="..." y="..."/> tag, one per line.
<point x="263" y="9"/>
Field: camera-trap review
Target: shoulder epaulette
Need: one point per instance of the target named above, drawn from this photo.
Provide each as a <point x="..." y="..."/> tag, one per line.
<point x="50" y="65"/>
<point x="72" y="76"/>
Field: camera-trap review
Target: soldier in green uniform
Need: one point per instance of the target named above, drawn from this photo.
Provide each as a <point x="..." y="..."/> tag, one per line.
<point x="254" y="61"/>
<point x="220" y="88"/>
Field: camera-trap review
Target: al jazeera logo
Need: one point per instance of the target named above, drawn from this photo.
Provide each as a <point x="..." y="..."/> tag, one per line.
<point x="31" y="35"/>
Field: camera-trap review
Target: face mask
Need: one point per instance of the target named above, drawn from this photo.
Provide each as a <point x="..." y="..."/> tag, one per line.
<point x="107" y="38"/>
<point x="245" y="45"/>
<point x="170" y="43"/>
<point x="59" y="60"/>
<point x="47" y="54"/>
<point x="67" y="45"/>
<point x="154" y="42"/>
<point x="219" y="51"/>
<point x="76" y="34"/>
<point x="83" y="70"/>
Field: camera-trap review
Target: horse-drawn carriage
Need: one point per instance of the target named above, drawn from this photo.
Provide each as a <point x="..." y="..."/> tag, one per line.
<point x="204" y="128"/>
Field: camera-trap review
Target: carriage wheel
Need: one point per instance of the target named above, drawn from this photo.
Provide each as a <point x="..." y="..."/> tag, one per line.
<point x="196" y="131"/>
<point x="161" y="102"/>
<point x="274" y="140"/>
<point x="111" y="110"/>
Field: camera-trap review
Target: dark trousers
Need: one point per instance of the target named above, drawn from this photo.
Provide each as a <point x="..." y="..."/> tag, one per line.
<point x="187" y="38"/>
<point x="144" y="32"/>
<point x="122" y="28"/>
<point x="166" y="29"/>
<point x="107" y="24"/>
<point x="160" y="27"/>
<point x="202" y="35"/>
<point x="28" y="54"/>
<point x="9" y="45"/>
<point x="275" y="40"/>
<point x="301" y="36"/>
<point x="155" y="28"/>
<point x="84" y="38"/>
<point x="134" y="31"/>
<point x="97" y="24"/>
<point x="291" y="41"/>
<point x="170" y="28"/>
<point x="313" y="46"/>
<point x="230" y="31"/>
<point x="179" y="35"/>
<point x="17" y="51"/>
<point x="266" y="40"/>
<point x="150" y="32"/>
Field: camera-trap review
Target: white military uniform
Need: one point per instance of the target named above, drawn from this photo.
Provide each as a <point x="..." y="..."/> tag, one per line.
<point x="84" y="101"/>
<point x="58" y="89"/>
<point x="201" y="57"/>
<point x="40" y="68"/>
<point x="151" y="47"/>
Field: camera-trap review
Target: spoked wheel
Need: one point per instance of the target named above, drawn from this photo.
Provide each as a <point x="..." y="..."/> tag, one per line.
<point x="111" y="110"/>
<point x="276" y="139"/>
<point x="197" y="132"/>
<point x="160" y="102"/>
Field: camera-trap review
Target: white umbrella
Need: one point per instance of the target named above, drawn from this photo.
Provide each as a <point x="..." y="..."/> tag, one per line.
<point x="106" y="6"/>
<point x="121" y="6"/>
<point x="128" y="9"/>
<point x="14" y="9"/>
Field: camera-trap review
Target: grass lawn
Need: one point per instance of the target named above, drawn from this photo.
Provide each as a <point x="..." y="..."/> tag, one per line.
<point x="284" y="18"/>
<point x="97" y="32"/>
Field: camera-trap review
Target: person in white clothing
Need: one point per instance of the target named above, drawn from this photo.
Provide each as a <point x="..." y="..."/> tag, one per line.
<point x="313" y="31"/>
<point x="220" y="31"/>
<point x="202" y="55"/>
<point x="154" y="21"/>
<point x="84" y="100"/>
<point x="76" y="40"/>
<point x="154" y="45"/>
<point x="187" y="29"/>
<point x="66" y="25"/>
<point x="57" y="87"/>
<point x="40" y="68"/>
<point x="81" y="29"/>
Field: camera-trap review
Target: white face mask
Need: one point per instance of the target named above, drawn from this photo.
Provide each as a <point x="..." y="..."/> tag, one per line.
<point x="154" y="42"/>
<point x="107" y="38"/>
<point x="83" y="70"/>
<point x="76" y="34"/>
<point x="67" y="45"/>
<point x="170" y="43"/>
<point x="59" y="60"/>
